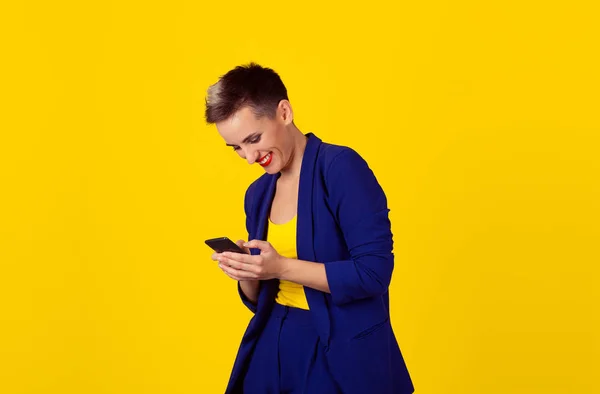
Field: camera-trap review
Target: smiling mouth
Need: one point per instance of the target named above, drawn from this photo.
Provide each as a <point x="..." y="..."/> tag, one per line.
<point x="266" y="160"/>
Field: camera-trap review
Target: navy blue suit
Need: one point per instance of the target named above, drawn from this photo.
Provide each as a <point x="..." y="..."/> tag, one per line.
<point x="342" y="222"/>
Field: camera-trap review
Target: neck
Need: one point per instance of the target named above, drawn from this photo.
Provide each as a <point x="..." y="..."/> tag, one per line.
<point x="292" y="170"/>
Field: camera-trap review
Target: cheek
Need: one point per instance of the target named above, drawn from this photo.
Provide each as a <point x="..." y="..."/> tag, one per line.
<point x="273" y="145"/>
<point x="282" y="149"/>
<point x="261" y="147"/>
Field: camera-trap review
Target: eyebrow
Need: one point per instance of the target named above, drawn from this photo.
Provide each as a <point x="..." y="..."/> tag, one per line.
<point x="251" y="136"/>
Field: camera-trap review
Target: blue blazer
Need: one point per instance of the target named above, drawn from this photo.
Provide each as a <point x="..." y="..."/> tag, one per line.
<point x="342" y="222"/>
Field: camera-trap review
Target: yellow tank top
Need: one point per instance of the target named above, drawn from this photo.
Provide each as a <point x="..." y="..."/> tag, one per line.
<point x="283" y="239"/>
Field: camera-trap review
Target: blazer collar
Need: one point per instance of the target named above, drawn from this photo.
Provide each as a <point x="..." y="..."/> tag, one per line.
<point x="304" y="237"/>
<point x="304" y="234"/>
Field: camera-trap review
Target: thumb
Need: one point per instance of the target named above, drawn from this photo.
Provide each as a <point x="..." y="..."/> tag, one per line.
<point x="264" y="246"/>
<point x="241" y="243"/>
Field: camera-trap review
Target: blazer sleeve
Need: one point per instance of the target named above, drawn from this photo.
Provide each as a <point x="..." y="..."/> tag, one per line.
<point x="249" y="227"/>
<point x="360" y="207"/>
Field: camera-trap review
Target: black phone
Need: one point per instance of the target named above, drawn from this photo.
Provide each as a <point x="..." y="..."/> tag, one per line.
<point x="224" y="244"/>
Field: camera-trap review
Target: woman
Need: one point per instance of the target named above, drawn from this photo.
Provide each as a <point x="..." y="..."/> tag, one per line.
<point x="319" y="258"/>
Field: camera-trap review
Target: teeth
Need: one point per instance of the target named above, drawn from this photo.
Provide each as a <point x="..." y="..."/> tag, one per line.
<point x="264" y="160"/>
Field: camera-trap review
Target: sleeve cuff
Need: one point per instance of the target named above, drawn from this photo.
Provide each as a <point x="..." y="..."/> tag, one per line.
<point x="245" y="299"/>
<point x="336" y="271"/>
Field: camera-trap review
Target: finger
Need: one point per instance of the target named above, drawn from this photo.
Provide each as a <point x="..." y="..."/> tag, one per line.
<point x="239" y="265"/>
<point x="242" y="258"/>
<point x="232" y="276"/>
<point x="241" y="243"/>
<point x="242" y="275"/>
<point x="215" y="256"/>
<point x="264" y="246"/>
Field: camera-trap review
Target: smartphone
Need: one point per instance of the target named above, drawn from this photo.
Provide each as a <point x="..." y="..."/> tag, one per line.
<point x="224" y="244"/>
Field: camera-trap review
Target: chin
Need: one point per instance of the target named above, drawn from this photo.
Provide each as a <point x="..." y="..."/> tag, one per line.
<point x="271" y="170"/>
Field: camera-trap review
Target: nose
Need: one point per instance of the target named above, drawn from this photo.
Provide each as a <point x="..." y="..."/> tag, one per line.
<point x="251" y="156"/>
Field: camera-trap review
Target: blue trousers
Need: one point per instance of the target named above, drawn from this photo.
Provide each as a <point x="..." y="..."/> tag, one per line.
<point x="288" y="357"/>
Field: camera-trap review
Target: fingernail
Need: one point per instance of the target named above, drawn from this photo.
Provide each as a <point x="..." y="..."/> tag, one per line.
<point x="246" y="244"/>
<point x="220" y="265"/>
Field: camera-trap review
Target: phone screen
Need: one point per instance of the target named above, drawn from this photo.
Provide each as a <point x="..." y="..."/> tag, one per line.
<point x="223" y="244"/>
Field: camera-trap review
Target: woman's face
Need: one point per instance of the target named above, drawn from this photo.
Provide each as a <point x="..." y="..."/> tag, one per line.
<point x="260" y="140"/>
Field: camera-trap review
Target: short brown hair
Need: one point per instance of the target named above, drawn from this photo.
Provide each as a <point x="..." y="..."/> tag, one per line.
<point x="252" y="85"/>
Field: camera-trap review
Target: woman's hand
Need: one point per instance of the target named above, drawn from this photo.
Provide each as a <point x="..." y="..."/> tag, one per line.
<point x="249" y="286"/>
<point x="218" y="256"/>
<point x="268" y="265"/>
<point x="250" y="270"/>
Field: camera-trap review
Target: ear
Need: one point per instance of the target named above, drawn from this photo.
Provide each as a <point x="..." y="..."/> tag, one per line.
<point x="286" y="114"/>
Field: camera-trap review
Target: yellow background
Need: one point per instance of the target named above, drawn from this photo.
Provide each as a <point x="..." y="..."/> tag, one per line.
<point x="480" y="120"/>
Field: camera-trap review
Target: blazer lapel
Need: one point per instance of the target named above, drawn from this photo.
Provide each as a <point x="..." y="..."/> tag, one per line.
<point x="304" y="234"/>
<point x="269" y="288"/>
<point x="265" y="208"/>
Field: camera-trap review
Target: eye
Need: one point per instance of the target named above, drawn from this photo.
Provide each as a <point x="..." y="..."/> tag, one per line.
<point x="235" y="147"/>
<point x="255" y="139"/>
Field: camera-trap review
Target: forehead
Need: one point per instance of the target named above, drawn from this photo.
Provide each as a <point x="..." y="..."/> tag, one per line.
<point x="240" y="125"/>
